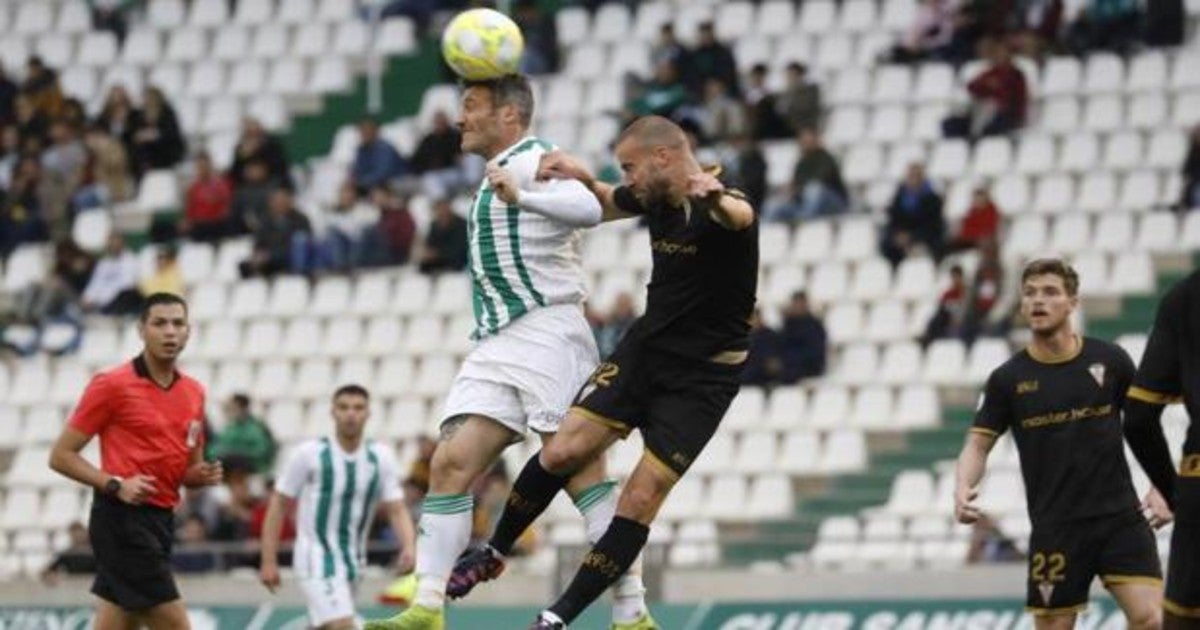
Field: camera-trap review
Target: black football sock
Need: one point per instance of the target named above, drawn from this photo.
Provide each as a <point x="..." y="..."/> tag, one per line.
<point x="602" y="566"/>
<point x="531" y="494"/>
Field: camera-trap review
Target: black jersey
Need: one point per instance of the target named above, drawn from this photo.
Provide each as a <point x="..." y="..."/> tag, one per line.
<point x="1170" y="372"/>
<point x="1066" y="420"/>
<point x="702" y="289"/>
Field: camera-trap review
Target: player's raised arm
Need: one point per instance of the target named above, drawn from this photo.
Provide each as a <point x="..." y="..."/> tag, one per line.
<point x="562" y="166"/>
<point x="565" y="200"/>
<point x="729" y="207"/>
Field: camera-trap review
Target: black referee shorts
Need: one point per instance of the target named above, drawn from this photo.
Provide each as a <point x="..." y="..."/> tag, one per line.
<point x="132" y="546"/>
<point x="677" y="403"/>
<point x="1065" y="557"/>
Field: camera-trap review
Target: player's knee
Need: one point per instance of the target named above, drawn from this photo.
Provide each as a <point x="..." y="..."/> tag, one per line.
<point x="1146" y="618"/>
<point x="449" y="469"/>
<point x="559" y="458"/>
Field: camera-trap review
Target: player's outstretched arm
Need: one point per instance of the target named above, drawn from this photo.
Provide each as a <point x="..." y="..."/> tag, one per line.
<point x="402" y="524"/>
<point x="729" y="209"/>
<point x="972" y="462"/>
<point x="559" y="165"/>
<point x="268" y="566"/>
<point x="565" y="200"/>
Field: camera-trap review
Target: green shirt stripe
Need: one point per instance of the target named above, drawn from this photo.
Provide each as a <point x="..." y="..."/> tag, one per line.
<point x="325" y="495"/>
<point x="369" y="499"/>
<point x="514" y="241"/>
<point x="491" y="259"/>
<point x="344" y="520"/>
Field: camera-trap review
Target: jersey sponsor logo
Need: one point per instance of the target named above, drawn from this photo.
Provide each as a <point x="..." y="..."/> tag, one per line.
<point x="1097" y="372"/>
<point x="671" y="248"/>
<point x="1071" y="415"/>
<point x="1027" y="387"/>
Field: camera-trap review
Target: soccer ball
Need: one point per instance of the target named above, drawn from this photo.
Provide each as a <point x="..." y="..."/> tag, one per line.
<point x="482" y="44"/>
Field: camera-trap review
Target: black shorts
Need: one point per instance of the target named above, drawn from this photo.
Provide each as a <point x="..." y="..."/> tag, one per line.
<point x="1183" y="572"/>
<point x="132" y="545"/>
<point x="675" y="402"/>
<point x="1065" y="557"/>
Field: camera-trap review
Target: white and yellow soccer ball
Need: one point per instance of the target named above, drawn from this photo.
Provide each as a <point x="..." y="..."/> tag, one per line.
<point x="482" y="44"/>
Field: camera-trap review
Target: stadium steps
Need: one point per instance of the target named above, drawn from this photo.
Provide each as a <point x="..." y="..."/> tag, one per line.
<point x="1136" y="313"/>
<point x="846" y="494"/>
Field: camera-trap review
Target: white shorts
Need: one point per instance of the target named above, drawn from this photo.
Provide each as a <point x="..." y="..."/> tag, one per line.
<point x="328" y="599"/>
<point x="526" y="375"/>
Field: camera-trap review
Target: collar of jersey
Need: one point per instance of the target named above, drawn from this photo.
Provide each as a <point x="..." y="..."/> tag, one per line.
<point x="503" y="155"/>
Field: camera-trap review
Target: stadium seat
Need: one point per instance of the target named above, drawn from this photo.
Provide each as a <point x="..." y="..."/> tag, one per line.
<point x="337" y="10"/>
<point x="30" y="383"/>
<point x="950" y="159"/>
<point x="1147" y="72"/>
<point x="249" y="299"/>
<point x="314" y="380"/>
<point x="247" y="78"/>
<point x="864" y="162"/>
<point x="746" y="410"/>
<point x="1147" y="111"/>
<point x="813" y="242"/>
<point x="98" y="347"/>
<point x="253" y="13"/>
<point x="857" y="365"/>
<point x="856" y="239"/>
<point x="726" y="498"/>
<point x="734" y="20"/>
<point x="351" y="38"/>
<point x="917" y="407"/>
<point x="717" y="456"/>
<point x="344" y="337"/>
<point x="271" y="40"/>
<point x="770" y="497"/>
<point x="886" y="321"/>
<point x="397" y="36"/>
<point x="1114" y="233"/>
<point x="61" y="507"/>
<point x="1185" y="110"/>
<point x="1183" y="74"/>
<point x="775" y="17"/>
<point x="290" y="76"/>
<point x="611" y="24"/>
<point x="1123" y="151"/>
<point x="817" y="17"/>
<point x="56" y="50"/>
<point x="993" y="157"/>
<point x="1139" y="191"/>
<point x="986" y="355"/>
<point x="206" y="79"/>
<point x="74" y="18"/>
<point x="1104" y="113"/>
<point x="828" y="283"/>
<point x="884" y="544"/>
<point x="846" y="125"/>
<point x="186" y="46"/>
<point x="296" y="11"/>
<point x="572" y="24"/>
<point x="22" y="507"/>
<point x="683" y="503"/>
<point x="837" y="541"/>
<point x="263" y="339"/>
<point x="1071" y="234"/>
<point x="785" y="408"/>
<point x="303" y="338"/>
<point x="1136" y="275"/>
<point x="1080" y="153"/>
<point x="97" y="49"/>
<point x="221" y="114"/>
<point x="892" y="84"/>
<point x="1053" y="194"/>
<point x="844" y="323"/>
<point x="898" y="362"/>
<point x="945" y="362"/>
<point x="757" y="452"/>
<point x="1167" y="149"/>
<point x="800" y="453"/>
<point x="1035" y="155"/>
<point x="207" y="301"/>
<point x="1157" y="232"/>
<point x="1092" y="268"/>
<point x="424" y="335"/>
<point x="872" y="280"/>
<point x="330" y="297"/>
<point x="586" y="61"/>
<point x="1104" y="73"/>
<point x="872" y="409"/>
<point x="44" y="422"/>
<point x="1060" y="115"/>
<point x="29" y="469"/>
<point x="829" y="408"/>
<point x="166" y="14"/>
<point x="1062" y="76"/>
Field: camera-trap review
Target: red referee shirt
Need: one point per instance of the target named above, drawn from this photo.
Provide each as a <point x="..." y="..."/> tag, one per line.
<point x="143" y="428"/>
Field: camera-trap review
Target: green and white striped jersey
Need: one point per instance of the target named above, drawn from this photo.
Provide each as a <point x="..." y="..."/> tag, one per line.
<point x="519" y="260"/>
<point x="337" y="494"/>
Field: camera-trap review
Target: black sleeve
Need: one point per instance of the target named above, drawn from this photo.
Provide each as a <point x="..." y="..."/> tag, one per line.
<point x="1159" y="379"/>
<point x="1144" y="433"/>
<point x="626" y="202"/>
<point x="994" y="412"/>
<point x="1123" y="372"/>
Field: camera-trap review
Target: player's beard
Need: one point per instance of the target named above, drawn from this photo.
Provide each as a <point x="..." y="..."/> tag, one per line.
<point x="657" y="193"/>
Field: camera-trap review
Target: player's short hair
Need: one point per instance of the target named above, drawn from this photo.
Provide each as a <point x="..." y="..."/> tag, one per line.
<point x="351" y="389"/>
<point x="653" y="131"/>
<point x="155" y="299"/>
<point x="1055" y="267"/>
<point x="510" y="89"/>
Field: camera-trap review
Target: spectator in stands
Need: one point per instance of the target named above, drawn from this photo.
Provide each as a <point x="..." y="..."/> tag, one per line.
<point x="724" y="116"/>
<point x="42" y="89"/>
<point x="74" y="113"/>
<point x="981" y="223"/>
<point x="541" y="38"/>
<point x="1190" y="195"/>
<point x="376" y="161"/>
<point x="207" y="210"/>
<point x="237" y="512"/>
<point x="446" y="241"/>
<point x="53" y="300"/>
<point x="251" y="198"/>
<point x="749" y="170"/>
<point x="438" y="159"/>
<point x="282" y="242"/>
<point x="762" y="104"/>
<point x="1165" y="23"/>
<point x="72" y="266"/>
<point x="805" y="343"/>
<point x="193" y="554"/>
<point x="985" y="293"/>
<point x="10" y="153"/>
<point x="418" y="470"/>
<point x="76" y="559"/>
<point x="930" y="33"/>
<point x="105" y="178"/>
<point x="947" y="321"/>
<point x="167" y="277"/>
<point x="392" y="239"/>
<point x="155" y="136"/>
<point x="256" y="145"/>
<point x="618" y="321"/>
<point x="914" y="218"/>
<point x="62" y="169"/>
<point x="32" y="125"/>
<point x="112" y="289"/>
<point x="1037" y="26"/>
<point x="258" y="515"/>
<point x="663" y="95"/>
<point x="245" y="440"/>
<point x="711" y="59"/>
<point x="8" y="96"/>
<point x="1106" y="25"/>
<point x="817" y="188"/>
<point x="21" y="219"/>
<point x="764" y="367"/>
<point x="109" y="15"/>
<point x="668" y="48"/>
<point x="118" y="115"/>
<point x="800" y="102"/>
<point x="999" y="100"/>
<point x="345" y="238"/>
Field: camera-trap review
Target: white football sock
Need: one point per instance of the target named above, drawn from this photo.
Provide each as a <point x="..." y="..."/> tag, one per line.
<point x="443" y="533"/>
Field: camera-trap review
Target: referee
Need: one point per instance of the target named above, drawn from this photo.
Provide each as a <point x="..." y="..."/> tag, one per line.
<point x="149" y="418"/>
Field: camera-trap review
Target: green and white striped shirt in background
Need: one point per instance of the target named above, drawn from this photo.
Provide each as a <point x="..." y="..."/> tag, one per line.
<point x="337" y="493"/>
<point x="519" y="260"/>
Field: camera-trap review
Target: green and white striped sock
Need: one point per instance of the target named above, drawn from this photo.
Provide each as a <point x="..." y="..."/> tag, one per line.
<point x="443" y="533"/>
